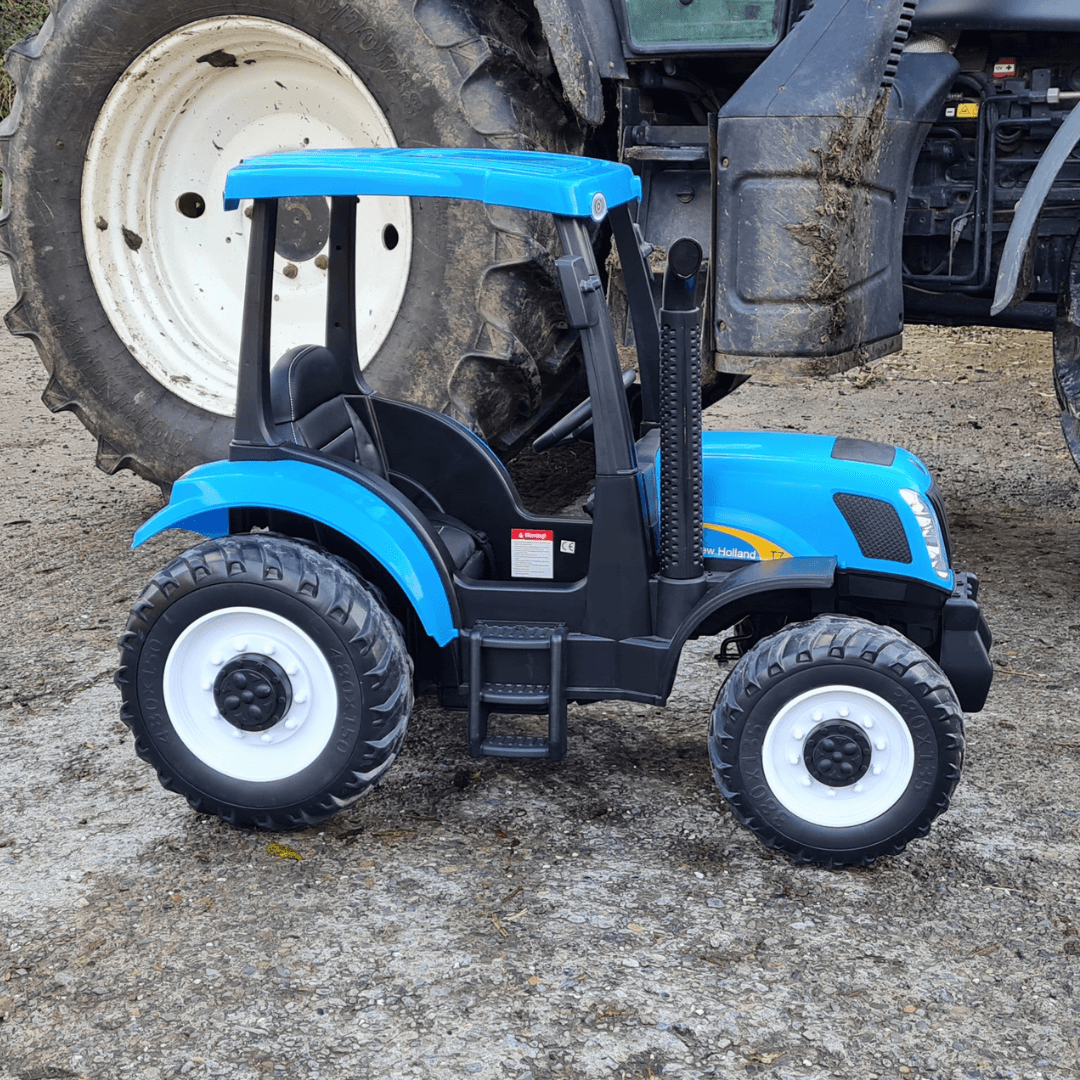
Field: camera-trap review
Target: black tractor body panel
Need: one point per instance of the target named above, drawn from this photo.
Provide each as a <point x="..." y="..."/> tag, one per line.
<point x="1010" y="15"/>
<point x="584" y="40"/>
<point x="814" y="158"/>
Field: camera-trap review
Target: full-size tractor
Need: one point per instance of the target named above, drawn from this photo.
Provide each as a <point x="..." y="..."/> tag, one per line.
<point x="844" y="165"/>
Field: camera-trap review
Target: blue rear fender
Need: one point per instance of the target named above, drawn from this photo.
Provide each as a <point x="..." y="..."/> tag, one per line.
<point x="201" y="501"/>
<point x="771" y="495"/>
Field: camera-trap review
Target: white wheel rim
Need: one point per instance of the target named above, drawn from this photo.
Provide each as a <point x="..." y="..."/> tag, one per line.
<point x="891" y="767"/>
<point x="173" y="127"/>
<point x="192" y="667"/>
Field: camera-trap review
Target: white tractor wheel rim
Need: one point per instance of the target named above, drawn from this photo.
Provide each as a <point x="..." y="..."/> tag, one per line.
<point x="892" y="761"/>
<point x="192" y="668"/>
<point x="167" y="260"/>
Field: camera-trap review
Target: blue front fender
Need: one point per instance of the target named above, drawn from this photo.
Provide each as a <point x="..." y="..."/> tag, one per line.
<point x="201" y="501"/>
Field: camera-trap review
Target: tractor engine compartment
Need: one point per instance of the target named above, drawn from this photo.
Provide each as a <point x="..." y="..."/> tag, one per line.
<point x="1011" y="97"/>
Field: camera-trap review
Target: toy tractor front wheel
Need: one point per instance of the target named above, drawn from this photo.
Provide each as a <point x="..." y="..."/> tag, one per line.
<point x="264" y="682"/>
<point x="836" y="741"/>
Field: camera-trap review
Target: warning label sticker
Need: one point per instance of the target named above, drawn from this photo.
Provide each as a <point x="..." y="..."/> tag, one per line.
<point x="532" y="553"/>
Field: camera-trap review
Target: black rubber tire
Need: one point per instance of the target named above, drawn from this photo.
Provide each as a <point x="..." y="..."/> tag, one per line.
<point x="1067" y="376"/>
<point x="848" y="652"/>
<point x="323" y="597"/>
<point x="481" y="312"/>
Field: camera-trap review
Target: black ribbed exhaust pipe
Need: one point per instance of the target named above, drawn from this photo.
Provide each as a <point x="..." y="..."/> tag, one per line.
<point x="680" y="416"/>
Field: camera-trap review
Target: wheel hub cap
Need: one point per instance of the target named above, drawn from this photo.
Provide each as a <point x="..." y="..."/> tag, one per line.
<point x="837" y="754"/>
<point x="253" y="692"/>
<point x="233" y="661"/>
<point x="168" y="262"/>
<point x="303" y="227"/>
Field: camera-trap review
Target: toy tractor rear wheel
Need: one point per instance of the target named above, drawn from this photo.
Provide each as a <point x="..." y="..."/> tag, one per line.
<point x="264" y="682"/>
<point x="130" y="273"/>
<point x="836" y="741"/>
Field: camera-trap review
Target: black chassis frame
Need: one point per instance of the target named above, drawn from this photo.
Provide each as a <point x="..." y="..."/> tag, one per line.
<point x="619" y="621"/>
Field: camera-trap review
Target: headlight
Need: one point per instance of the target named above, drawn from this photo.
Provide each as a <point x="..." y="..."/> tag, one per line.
<point x="931" y="532"/>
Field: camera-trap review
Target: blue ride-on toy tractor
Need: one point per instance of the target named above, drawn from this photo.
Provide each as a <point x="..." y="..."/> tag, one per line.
<point x="359" y="547"/>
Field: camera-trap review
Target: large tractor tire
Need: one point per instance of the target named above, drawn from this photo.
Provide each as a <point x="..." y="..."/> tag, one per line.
<point x="129" y="272"/>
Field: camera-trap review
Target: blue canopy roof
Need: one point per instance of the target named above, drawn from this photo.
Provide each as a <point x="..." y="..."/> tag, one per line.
<point x="556" y="183"/>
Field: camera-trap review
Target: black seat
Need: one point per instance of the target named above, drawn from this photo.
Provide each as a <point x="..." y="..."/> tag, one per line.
<point x="316" y="403"/>
<point x="309" y="394"/>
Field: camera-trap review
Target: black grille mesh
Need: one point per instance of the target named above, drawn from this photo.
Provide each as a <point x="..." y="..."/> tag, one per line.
<point x="877" y="527"/>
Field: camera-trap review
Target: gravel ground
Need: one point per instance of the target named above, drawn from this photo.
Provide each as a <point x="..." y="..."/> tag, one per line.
<point x="604" y="917"/>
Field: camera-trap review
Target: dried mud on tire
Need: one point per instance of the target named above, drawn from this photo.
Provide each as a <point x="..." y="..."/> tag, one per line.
<point x="603" y="917"/>
<point x="464" y="339"/>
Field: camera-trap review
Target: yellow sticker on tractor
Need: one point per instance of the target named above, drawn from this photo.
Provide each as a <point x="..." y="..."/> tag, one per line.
<point x="728" y="543"/>
<point x="967" y="110"/>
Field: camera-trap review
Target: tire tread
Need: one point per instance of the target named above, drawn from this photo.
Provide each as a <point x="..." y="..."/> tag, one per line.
<point x="375" y="645"/>
<point x="839" y="638"/>
<point x="496" y="382"/>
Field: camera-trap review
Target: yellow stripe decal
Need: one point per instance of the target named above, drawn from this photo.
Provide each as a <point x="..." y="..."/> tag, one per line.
<point x="766" y="550"/>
